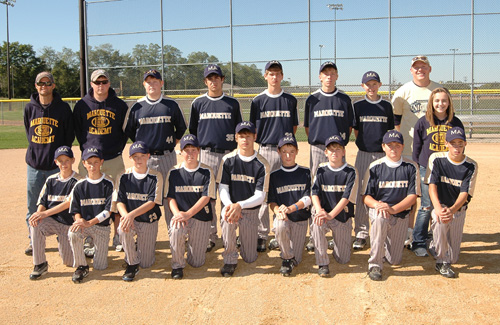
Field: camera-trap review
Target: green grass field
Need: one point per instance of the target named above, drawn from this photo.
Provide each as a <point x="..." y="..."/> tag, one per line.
<point x="12" y="137"/>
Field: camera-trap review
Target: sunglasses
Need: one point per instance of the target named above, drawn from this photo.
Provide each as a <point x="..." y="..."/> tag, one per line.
<point x="420" y="58"/>
<point x="44" y="83"/>
<point x="101" y="82"/>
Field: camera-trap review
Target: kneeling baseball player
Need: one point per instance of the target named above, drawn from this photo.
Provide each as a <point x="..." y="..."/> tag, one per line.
<point x="138" y="197"/>
<point x="189" y="188"/>
<point x="391" y="187"/>
<point x="452" y="177"/>
<point x="289" y="199"/>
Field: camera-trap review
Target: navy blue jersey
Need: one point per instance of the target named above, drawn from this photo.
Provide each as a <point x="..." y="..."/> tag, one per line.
<point x="372" y="120"/>
<point x="187" y="186"/>
<point x="274" y="116"/>
<point x="56" y="191"/>
<point x="287" y="186"/>
<point x="100" y="124"/>
<point x="391" y="182"/>
<point x="428" y="139"/>
<point x="134" y="190"/>
<point x="331" y="185"/>
<point x="328" y="114"/>
<point x="157" y="123"/>
<point x="244" y="175"/>
<point x="91" y="197"/>
<point x="213" y="121"/>
<point x="451" y="178"/>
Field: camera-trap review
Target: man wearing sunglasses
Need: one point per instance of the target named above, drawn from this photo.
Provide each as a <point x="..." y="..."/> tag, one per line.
<point x="49" y="125"/>
<point x="409" y="104"/>
<point x="99" y="118"/>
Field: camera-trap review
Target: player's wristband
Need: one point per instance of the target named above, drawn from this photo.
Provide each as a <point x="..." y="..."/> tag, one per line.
<point x="103" y="216"/>
<point x="296" y="207"/>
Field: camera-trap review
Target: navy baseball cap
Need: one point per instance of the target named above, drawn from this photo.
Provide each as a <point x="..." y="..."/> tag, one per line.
<point x="245" y="125"/>
<point x="288" y="140"/>
<point x="273" y="64"/>
<point x="63" y="150"/>
<point x="138" y="147"/>
<point x="152" y="73"/>
<point x="455" y="133"/>
<point x="334" y="139"/>
<point x="212" y="68"/>
<point x="327" y="64"/>
<point x="91" y="152"/>
<point x="370" y="75"/>
<point x="393" y="136"/>
<point x="189" y="139"/>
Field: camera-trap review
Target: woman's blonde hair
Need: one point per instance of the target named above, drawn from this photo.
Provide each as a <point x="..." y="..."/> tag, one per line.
<point x="429" y="115"/>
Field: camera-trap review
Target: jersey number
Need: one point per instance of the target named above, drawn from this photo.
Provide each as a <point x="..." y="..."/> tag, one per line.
<point x="229" y="137"/>
<point x="170" y="139"/>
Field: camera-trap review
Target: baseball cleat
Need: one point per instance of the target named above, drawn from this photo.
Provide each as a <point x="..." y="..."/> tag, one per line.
<point x="445" y="270"/>
<point x="287" y="266"/>
<point x="310" y="246"/>
<point x="80" y="273"/>
<point x="39" y="270"/>
<point x="273" y="245"/>
<point x="261" y="245"/>
<point x="375" y="273"/>
<point x="210" y="246"/>
<point x="238" y="242"/>
<point x="228" y="270"/>
<point x="130" y="272"/>
<point x="177" y="274"/>
<point x="29" y="250"/>
<point x="359" y="244"/>
<point x="324" y="271"/>
<point x="420" y="252"/>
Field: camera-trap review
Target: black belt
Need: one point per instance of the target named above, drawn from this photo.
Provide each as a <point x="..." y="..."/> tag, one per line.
<point x="215" y="149"/>
<point x="159" y="152"/>
<point x="269" y="145"/>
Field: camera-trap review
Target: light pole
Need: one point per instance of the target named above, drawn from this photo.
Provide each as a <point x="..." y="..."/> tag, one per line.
<point x="320" y="48"/>
<point x="335" y="7"/>
<point x="454" y="52"/>
<point x="8" y="3"/>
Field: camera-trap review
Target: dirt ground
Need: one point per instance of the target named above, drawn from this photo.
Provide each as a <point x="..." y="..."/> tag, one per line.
<point x="409" y="293"/>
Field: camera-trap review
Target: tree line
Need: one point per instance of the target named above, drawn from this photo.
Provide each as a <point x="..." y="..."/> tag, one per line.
<point x="125" y="69"/>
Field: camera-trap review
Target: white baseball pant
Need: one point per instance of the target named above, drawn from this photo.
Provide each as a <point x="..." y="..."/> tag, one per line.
<point x="341" y="233"/>
<point x="100" y="235"/>
<point x="48" y="227"/>
<point x="197" y="233"/>
<point x="144" y="253"/>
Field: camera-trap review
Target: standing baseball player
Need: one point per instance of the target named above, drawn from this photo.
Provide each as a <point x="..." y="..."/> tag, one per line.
<point x="91" y="205"/>
<point x="214" y="117"/>
<point x="327" y="112"/>
<point x="452" y="177"/>
<point x="373" y="117"/>
<point x="158" y="122"/>
<point x="54" y="203"/>
<point x="49" y="125"/>
<point x="289" y="199"/>
<point x="334" y="194"/>
<point x="189" y="188"/>
<point x="138" y="196"/>
<point x="243" y="183"/>
<point x="391" y="188"/>
<point x="275" y="116"/>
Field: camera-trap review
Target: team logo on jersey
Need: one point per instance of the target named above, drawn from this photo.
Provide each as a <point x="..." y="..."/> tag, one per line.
<point x="100" y="122"/>
<point x="43" y="130"/>
<point x="43" y="134"/>
<point x="418" y="106"/>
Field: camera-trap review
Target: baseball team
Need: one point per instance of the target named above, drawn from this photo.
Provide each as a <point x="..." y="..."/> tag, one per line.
<point x="413" y="147"/>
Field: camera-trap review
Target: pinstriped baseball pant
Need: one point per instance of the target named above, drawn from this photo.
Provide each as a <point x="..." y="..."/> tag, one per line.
<point x="163" y="163"/>
<point x="387" y="238"/>
<point x="248" y="231"/>
<point x="447" y="237"/>
<point x="317" y="156"/>
<point x="100" y="235"/>
<point x="146" y="233"/>
<point x="270" y="153"/>
<point x="213" y="160"/>
<point x="197" y="233"/>
<point x="291" y="237"/>
<point x="361" y="220"/>
<point x="341" y="233"/>
<point x="48" y="227"/>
